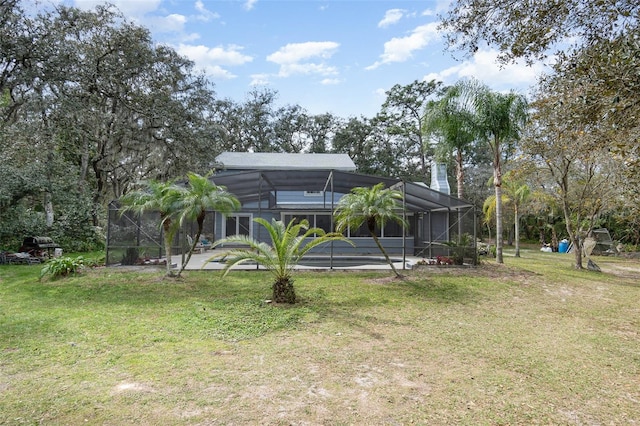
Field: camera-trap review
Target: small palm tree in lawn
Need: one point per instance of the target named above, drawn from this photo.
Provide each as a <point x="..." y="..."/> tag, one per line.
<point x="374" y="206"/>
<point x="202" y="195"/>
<point x="162" y="197"/>
<point x="286" y="249"/>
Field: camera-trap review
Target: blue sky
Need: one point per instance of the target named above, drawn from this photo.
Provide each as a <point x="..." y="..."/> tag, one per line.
<point x="335" y="56"/>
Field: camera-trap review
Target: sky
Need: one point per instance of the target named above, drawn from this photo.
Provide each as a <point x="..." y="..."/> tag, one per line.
<point x="336" y="56"/>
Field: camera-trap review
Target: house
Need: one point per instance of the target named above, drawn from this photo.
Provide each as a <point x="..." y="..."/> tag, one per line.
<point x="308" y="186"/>
<point x="303" y="186"/>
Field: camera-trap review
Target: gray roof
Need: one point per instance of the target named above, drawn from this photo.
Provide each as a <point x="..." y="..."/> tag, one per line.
<point x="285" y="161"/>
<point x="258" y="185"/>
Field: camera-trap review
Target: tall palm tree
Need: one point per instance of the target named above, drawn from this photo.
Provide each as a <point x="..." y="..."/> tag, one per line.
<point x="199" y="196"/>
<point x="289" y="244"/>
<point x="499" y="119"/>
<point x="515" y="193"/>
<point x="453" y="125"/>
<point x="157" y="196"/>
<point x="374" y="206"/>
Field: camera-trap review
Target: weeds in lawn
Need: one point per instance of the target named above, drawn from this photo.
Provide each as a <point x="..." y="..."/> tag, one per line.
<point x="529" y="342"/>
<point x="62" y="266"/>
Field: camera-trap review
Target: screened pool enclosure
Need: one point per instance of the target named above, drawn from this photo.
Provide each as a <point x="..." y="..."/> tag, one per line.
<point x="439" y="224"/>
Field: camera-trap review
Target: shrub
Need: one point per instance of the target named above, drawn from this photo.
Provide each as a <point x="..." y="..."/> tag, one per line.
<point x="62" y="267"/>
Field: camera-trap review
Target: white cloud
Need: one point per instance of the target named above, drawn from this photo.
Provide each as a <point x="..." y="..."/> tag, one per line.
<point x="249" y="4"/>
<point x="401" y="49"/>
<point x="259" y="80"/>
<point x="287" y="70"/>
<point x="296" y="52"/>
<point x="173" y="23"/>
<point x="293" y="58"/>
<point x="330" y="81"/>
<point x="184" y="38"/>
<point x="212" y="59"/>
<point x="132" y="9"/>
<point x="484" y="67"/>
<point x="204" y="15"/>
<point x="216" y="72"/>
<point x="392" y="16"/>
<point x="230" y="55"/>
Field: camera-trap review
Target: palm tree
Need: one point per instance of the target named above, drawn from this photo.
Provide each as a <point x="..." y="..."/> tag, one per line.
<point x="499" y="119"/>
<point x="374" y="206"/>
<point x="289" y="244"/>
<point x="519" y="193"/>
<point x="453" y="125"/>
<point x="157" y="196"/>
<point x="202" y="195"/>
<point x="515" y="193"/>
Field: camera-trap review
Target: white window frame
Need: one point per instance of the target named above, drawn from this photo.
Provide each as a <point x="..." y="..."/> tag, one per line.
<point x="236" y="215"/>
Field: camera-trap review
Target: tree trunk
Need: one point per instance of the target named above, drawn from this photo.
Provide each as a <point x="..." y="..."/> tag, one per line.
<point x="459" y="173"/>
<point x="497" y="181"/>
<point x="573" y="236"/>
<point x="517" y="228"/>
<point x="200" y="221"/>
<point x="283" y="291"/>
<point x="384" y="253"/>
<point x="166" y="226"/>
<point x="459" y="182"/>
<point x="48" y="208"/>
<point x="577" y="251"/>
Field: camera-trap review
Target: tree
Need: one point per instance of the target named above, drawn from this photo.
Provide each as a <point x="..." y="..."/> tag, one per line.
<point x="258" y="120"/>
<point x="518" y="192"/>
<point x="453" y="126"/>
<point x="499" y="119"/>
<point x="290" y="129"/>
<point x="574" y="163"/>
<point x="289" y="244"/>
<point x="94" y="89"/>
<point x="226" y="125"/>
<point x="532" y="30"/>
<point x="605" y="75"/>
<point x="374" y="207"/>
<point x="354" y="138"/>
<point x="199" y="196"/>
<point x="603" y="58"/>
<point x="320" y="129"/>
<point x="163" y="197"/>
<point x="403" y="113"/>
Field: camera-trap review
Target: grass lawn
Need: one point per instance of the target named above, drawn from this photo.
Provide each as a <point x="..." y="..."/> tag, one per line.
<point x="532" y="342"/>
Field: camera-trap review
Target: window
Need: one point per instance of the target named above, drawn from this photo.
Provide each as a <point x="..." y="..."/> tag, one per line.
<point x="313" y="193"/>
<point x="316" y="220"/>
<point x="323" y="221"/>
<point x="390" y="229"/>
<point x="393" y="229"/>
<point x="238" y="224"/>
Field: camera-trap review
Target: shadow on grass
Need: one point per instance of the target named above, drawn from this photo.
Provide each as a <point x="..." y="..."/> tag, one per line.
<point x="440" y="290"/>
<point x="204" y="304"/>
<point x="370" y="303"/>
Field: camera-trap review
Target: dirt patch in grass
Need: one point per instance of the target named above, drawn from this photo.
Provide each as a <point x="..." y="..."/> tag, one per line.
<point x="626" y="270"/>
<point x="489" y="270"/>
<point x="530" y="342"/>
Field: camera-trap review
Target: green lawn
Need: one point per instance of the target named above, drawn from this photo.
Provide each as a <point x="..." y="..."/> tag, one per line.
<point x="532" y="342"/>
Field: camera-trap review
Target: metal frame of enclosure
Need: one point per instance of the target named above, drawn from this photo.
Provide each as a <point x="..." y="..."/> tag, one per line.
<point x="436" y="219"/>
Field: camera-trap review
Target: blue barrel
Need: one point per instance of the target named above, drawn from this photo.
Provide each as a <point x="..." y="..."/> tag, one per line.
<point x="563" y="246"/>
